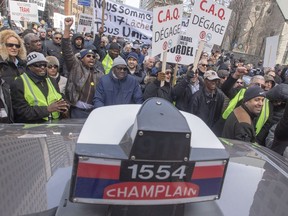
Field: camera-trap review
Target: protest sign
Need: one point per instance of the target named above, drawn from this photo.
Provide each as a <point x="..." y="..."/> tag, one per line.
<point x="59" y="21"/>
<point x="23" y="11"/>
<point x="85" y="23"/>
<point x="166" y="28"/>
<point x="271" y="51"/>
<point x="122" y="20"/>
<point x="184" y="52"/>
<point x="208" y="21"/>
<point x="40" y="3"/>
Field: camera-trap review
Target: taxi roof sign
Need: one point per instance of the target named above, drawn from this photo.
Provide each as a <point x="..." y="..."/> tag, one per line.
<point x="108" y="170"/>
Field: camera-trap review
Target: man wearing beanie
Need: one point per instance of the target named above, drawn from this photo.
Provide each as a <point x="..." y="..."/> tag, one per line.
<point x="113" y="52"/>
<point x="117" y="87"/>
<point x="36" y="97"/>
<point x="239" y="124"/>
<point x="134" y="69"/>
<point x="84" y="76"/>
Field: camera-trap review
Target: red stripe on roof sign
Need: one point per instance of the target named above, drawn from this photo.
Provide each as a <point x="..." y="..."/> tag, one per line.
<point x="205" y="172"/>
<point x="87" y="170"/>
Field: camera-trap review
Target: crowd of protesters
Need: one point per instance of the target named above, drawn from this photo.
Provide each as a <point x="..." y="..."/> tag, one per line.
<point x="47" y="74"/>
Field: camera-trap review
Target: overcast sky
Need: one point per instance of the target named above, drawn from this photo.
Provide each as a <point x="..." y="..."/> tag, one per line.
<point x="133" y="3"/>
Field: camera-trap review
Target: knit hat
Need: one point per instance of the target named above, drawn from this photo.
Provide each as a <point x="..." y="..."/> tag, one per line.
<point x="133" y="55"/>
<point x="52" y="60"/>
<point x="118" y="61"/>
<point x="85" y="52"/>
<point x="252" y="92"/>
<point x="223" y="73"/>
<point x="114" y="45"/>
<point x="34" y="57"/>
<point x="211" y="75"/>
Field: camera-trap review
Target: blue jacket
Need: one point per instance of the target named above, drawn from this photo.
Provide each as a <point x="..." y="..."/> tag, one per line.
<point x="111" y="91"/>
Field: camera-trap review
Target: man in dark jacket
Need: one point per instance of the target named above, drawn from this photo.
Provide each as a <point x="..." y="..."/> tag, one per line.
<point x="117" y="87"/>
<point x="77" y="43"/>
<point x="187" y="85"/>
<point x="134" y="69"/>
<point x="207" y="103"/>
<point x="239" y="124"/>
<point x="84" y="76"/>
<point x="54" y="49"/>
<point x="154" y="87"/>
<point x="36" y="97"/>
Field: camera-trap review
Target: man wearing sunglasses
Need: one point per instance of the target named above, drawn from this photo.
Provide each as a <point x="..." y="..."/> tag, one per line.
<point x="117" y="87"/>
<point x="36" y="97"/>
<point x="84" y="75"/>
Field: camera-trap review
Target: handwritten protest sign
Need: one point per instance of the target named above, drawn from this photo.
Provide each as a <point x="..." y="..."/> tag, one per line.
<point x="23" y="11"/>
<point x="40" y="3"/>
<point x="59" y="21"/>
<point x="166" y="28"/>
<point x="209" y="21"/>
<point x="123" y="20"/>
<point x="85" y="23"/>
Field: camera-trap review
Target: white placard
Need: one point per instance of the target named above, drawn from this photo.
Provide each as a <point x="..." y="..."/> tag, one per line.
<point x="166" y="28"/>
<point x="40" y="3"/>
<point x="23" y="11"/>
<point x="85" y="23"/>
<point x="271" y="51"/>
<point x="59" y="21"/>
<point x="123" y="20"/>
<point x="208" y="21"/>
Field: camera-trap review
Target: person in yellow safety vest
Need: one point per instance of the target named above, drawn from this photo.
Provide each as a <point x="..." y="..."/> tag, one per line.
<point x="236" y="96"/>
<point x="113" y="52"/>
<point x="35" y="96"/>
<point x="239" y="124"/>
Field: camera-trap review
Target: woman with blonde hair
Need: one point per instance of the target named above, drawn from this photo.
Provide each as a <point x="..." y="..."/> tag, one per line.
<point x="12" y="56"/>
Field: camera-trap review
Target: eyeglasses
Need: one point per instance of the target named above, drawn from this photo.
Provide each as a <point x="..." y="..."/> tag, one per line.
<point x="58" y="38"/>
<point x="53" y="66"/>
<point x="204" y="65"/>
<point x="121" y="68"/>
<point x="12" y="45"/>
<point x="240" y="82"/>
<point x="91" y="56"/>
<point x="39" y="65"/>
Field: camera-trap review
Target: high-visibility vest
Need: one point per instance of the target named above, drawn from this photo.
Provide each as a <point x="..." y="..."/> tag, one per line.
<point x="107" y="63"/>
<point x="263" y="117"/>
<point x="35" y="97"/>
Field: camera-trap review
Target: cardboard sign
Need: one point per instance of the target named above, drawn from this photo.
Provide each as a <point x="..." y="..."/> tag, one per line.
<point x="40" y="3"/>
<point x="23" y="11"/>
<point x="184" y="52"/>
<point x="85" y="23"/>
<point x="59" y="21"/>
<point x="166" y="28"/>
<point x="209" y="21"/>
<point x="125" y="21"/>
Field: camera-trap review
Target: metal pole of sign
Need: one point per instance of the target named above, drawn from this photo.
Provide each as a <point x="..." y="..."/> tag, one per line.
<point x="164" y="60"/>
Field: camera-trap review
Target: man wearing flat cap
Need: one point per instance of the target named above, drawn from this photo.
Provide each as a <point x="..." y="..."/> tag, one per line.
<point x="239" y="124"/>
<point x="207" y="103"/>
<point x="84" y="75"/>
<point x="36" y="97"/>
